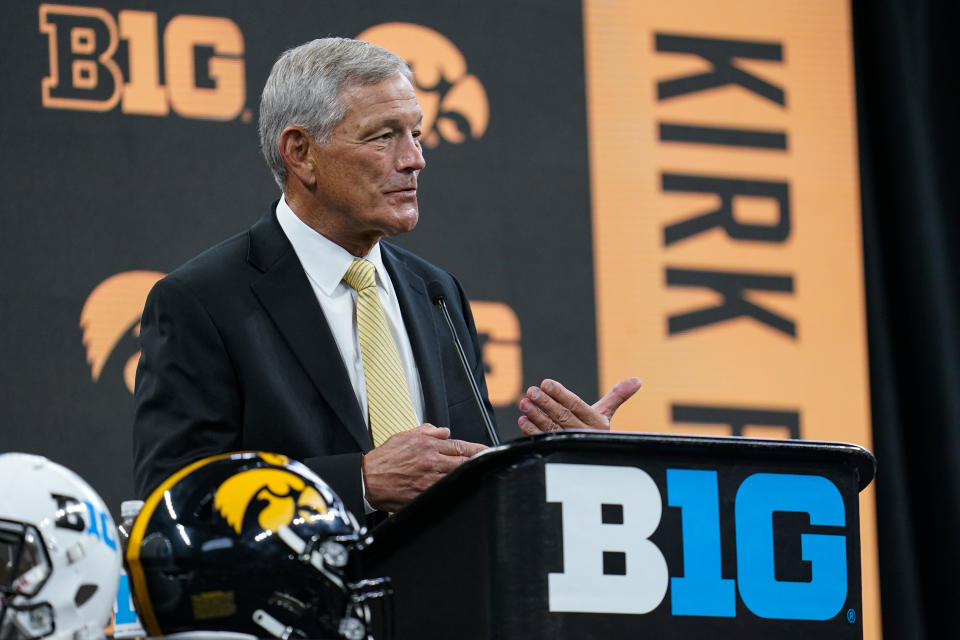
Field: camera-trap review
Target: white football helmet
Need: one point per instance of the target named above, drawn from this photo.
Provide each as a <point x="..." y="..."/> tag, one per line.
<point x="59" y="552"/>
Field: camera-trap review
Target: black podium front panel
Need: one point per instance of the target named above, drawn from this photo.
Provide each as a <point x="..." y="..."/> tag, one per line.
<point x="603" y="535"/>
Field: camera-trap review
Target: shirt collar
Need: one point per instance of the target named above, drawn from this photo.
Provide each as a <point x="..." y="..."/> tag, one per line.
<point x="325" y="261"/>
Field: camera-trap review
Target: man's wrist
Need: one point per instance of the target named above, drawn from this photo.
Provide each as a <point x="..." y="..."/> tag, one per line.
<point x="367" y="509"/>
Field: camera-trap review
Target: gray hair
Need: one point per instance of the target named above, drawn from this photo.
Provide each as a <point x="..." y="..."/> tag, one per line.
<point x="305" y="86"/>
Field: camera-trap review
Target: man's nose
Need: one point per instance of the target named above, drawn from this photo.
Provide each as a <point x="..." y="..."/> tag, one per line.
<point x="410" y="156"/>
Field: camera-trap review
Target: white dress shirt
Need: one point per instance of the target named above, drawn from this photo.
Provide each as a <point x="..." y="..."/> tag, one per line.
<point x="325" y="262"/>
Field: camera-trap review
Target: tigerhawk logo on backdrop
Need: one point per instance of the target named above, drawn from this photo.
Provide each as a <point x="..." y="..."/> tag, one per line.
<point x="286" y="496"/>
<point x="111" y="317"/>
<point x="453" y="101"/>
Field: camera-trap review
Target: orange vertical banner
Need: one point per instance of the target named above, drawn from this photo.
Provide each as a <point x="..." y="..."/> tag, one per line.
<point x="726" y="219"/>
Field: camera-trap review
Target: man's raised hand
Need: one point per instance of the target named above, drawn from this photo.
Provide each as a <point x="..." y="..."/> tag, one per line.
<point x="553" y="407"/>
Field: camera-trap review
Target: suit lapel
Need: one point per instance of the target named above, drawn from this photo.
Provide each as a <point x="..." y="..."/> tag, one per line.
<point x="288" y="299"/>
<point x="420" y="318"/>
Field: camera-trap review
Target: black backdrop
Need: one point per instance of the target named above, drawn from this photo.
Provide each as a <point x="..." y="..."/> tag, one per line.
<point x="908" y="111"/>
<point x="89" y="195"/>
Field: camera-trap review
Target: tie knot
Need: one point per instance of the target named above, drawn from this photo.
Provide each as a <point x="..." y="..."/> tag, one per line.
<point x="360" y="275"/>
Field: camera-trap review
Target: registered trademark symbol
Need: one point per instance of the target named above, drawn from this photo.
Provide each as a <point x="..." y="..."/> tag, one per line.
<point x="246" y="116"/>
<point x="851" y="616"/>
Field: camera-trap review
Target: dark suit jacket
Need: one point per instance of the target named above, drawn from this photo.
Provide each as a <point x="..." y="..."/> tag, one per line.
<point x="236" y="354"/>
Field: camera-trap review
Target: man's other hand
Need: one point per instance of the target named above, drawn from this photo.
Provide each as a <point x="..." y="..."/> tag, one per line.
<point x="552" y="407"/>
<point x="406" y="464"/>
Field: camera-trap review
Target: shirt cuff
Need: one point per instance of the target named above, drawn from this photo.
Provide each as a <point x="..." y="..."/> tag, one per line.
<point x="367" y="509"/>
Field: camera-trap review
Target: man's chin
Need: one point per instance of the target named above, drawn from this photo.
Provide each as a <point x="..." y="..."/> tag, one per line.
<point x="404" y="221"/>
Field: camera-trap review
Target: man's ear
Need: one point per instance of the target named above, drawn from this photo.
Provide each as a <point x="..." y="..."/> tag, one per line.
<point x="295" y="150"/>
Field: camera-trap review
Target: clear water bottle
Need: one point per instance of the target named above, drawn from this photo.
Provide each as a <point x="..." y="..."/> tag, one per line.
<point x="128" y="513"/>
<point x="126" y="624"/>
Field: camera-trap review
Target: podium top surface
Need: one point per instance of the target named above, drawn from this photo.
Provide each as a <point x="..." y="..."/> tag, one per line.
<point x="761" y="450"/>
<point x="720" y="447"/>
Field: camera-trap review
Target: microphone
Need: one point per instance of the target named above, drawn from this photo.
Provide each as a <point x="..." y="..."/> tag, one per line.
<point x="435" y="291"/>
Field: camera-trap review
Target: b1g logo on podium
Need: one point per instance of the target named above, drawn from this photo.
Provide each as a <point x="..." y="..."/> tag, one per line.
<point x="611" y="566"/>
<point x="202" y="62"/>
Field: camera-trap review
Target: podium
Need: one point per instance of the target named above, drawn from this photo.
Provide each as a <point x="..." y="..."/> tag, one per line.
<point x="581" y="535"/>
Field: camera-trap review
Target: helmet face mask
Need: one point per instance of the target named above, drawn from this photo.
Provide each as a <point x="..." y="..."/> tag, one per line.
<point x="249" y="543"/>
<point x="30" y="621"/>
<point x="24" y="569"/>
<point x="59" y="560"/>
<point x="24" y="563"/>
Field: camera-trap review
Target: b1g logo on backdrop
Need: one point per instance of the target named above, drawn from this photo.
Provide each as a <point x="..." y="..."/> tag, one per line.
<point x="202" y="61"/>
<point x="610" y="565"/>
<point x="454" y="102"/>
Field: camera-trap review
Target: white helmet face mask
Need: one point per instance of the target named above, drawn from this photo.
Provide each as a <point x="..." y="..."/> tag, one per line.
<point x="59" y="555"/>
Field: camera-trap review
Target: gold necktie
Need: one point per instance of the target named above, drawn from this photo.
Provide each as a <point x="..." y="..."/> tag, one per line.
<point x="388" y="396"/>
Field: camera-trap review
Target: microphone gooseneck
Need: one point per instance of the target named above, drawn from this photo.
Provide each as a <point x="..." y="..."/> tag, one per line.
<point x="435" y="291"/>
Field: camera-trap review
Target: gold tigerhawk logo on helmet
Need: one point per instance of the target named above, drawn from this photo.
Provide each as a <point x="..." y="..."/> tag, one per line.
<point x="286" y="496"/>
<point x="110" y="314"/>
<point x="447" y="94"/>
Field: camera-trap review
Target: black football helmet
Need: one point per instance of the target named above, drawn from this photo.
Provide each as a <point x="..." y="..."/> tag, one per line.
<point x="250" y="543"/>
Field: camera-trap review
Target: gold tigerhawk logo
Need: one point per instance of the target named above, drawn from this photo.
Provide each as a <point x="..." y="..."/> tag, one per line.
<point x="111" y="313"/>
<point x="286" y="495"/>
<point x="447" y="94"/>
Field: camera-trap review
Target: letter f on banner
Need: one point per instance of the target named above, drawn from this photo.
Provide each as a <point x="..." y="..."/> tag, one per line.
<point x="609" y="565"/>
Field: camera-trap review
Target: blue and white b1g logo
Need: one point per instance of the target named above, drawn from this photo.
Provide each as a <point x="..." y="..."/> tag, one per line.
<point x="611" y="566"/>
<point x="99" y="524"/>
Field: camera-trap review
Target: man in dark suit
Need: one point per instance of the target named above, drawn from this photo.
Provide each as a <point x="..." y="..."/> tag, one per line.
<point x="254" y="343"/>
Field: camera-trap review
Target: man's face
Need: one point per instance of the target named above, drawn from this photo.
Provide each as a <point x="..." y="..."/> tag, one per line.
<point x="367" y="169"/>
